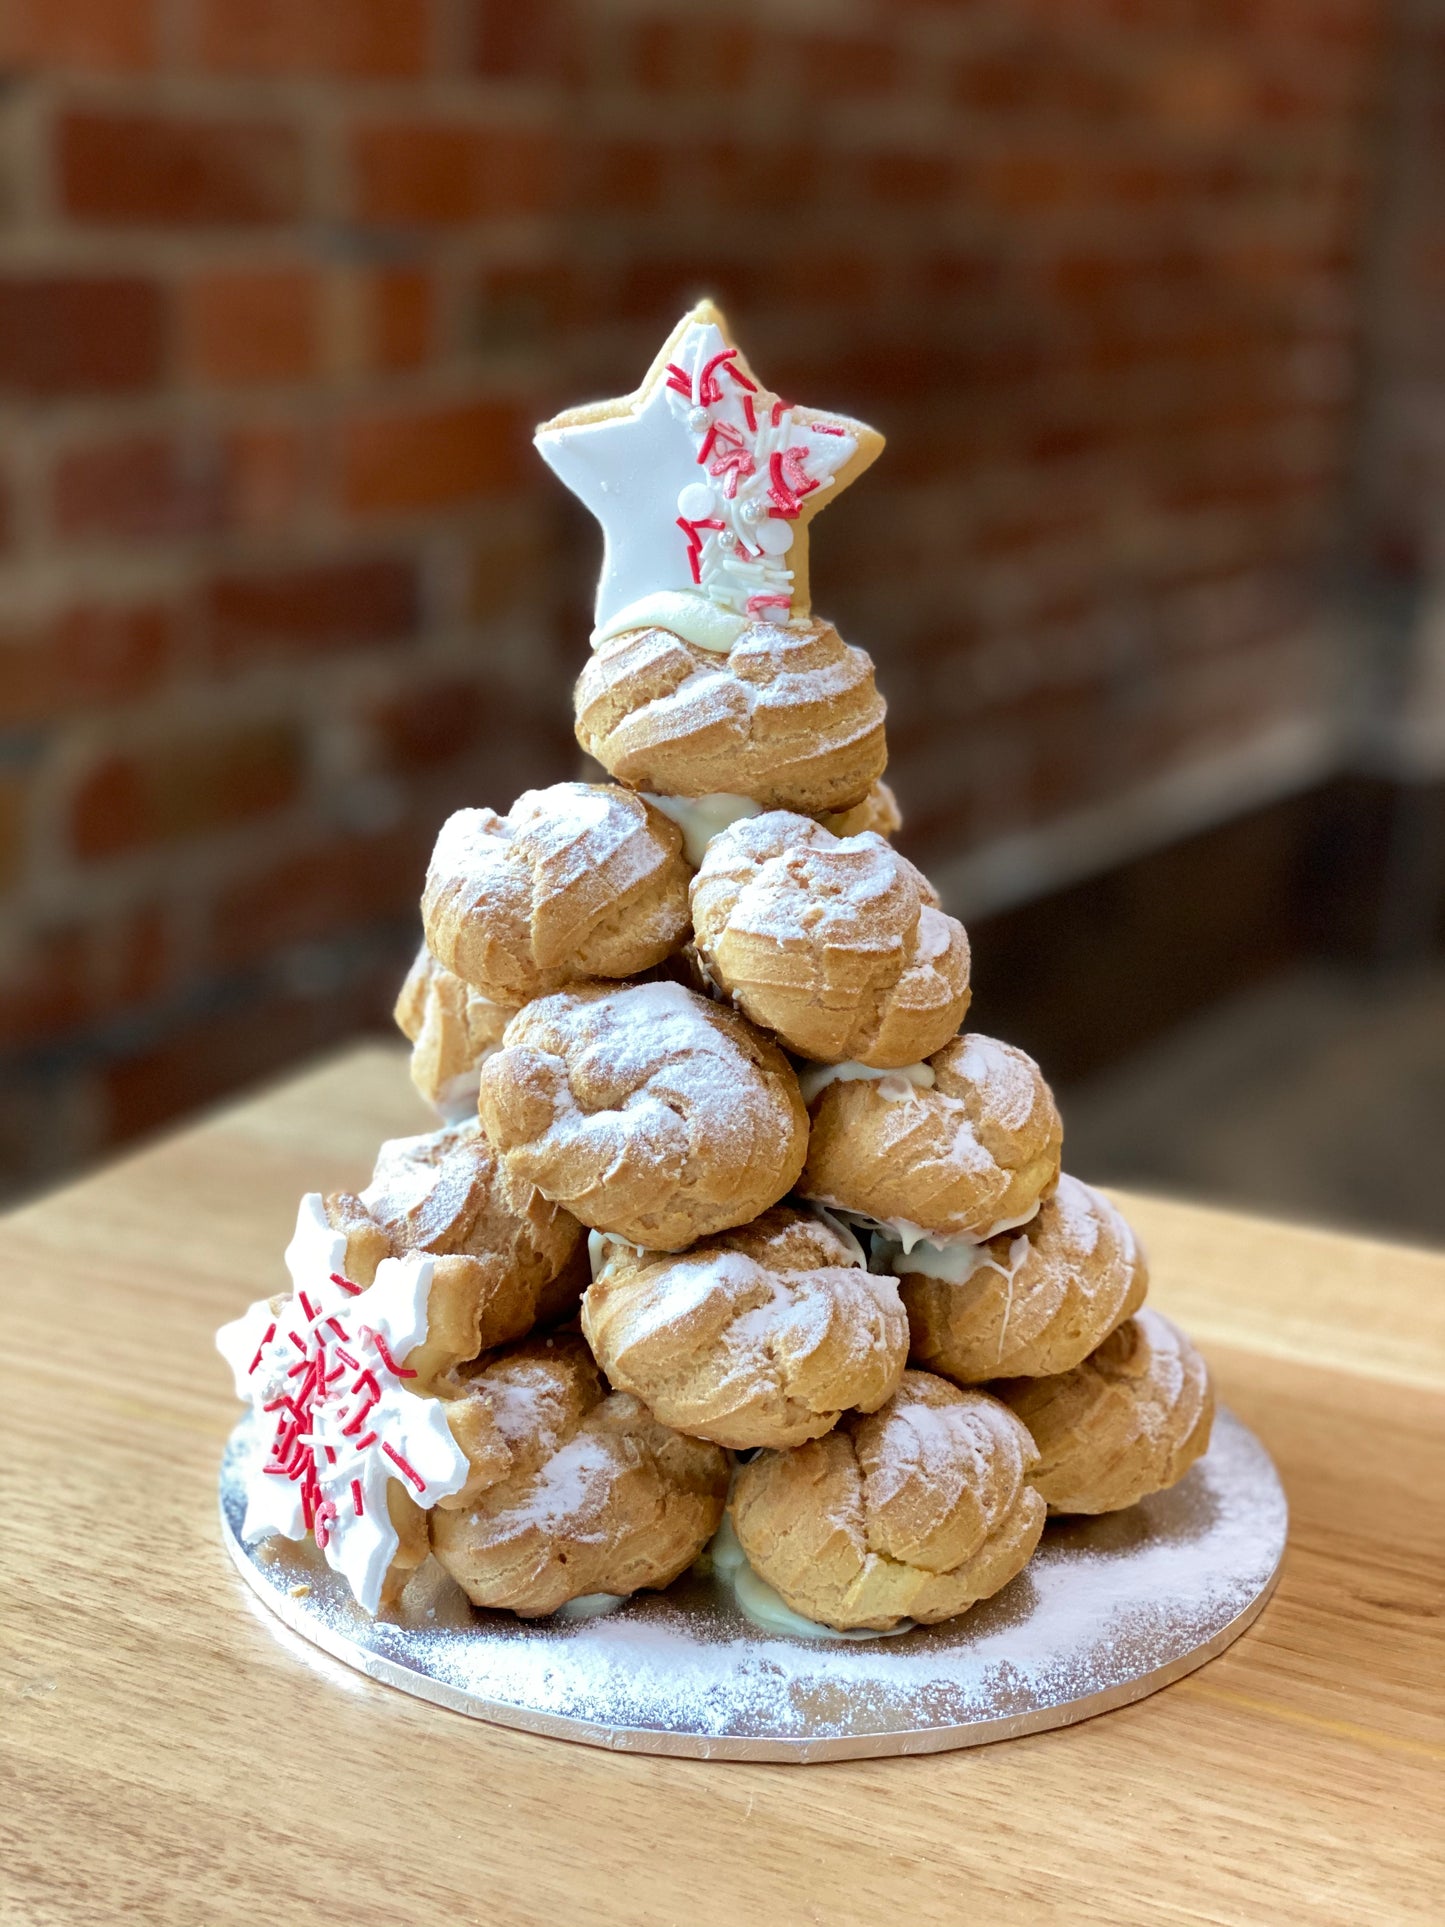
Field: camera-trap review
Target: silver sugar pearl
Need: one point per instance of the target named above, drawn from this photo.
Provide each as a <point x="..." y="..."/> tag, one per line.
<point x="698" y="420"/>
<point x="726" y="539"/>
<point x="752" y="511"/>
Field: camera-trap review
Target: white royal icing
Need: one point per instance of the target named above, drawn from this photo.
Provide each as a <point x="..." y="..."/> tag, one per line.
<point x="701" y="818"/>
<point x="325" y="1375"/>
<point x="702" y="486"/>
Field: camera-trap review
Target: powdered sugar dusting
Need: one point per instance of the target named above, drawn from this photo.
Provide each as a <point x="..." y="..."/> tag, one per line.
<point x="468" y="844"/>
<point x="660" y="1049"/>
<point x="1106" y="1610"/>
<point x="1007" y="1081"/>
<point x="569" y="1488"/>
<point x="563" y="831"/>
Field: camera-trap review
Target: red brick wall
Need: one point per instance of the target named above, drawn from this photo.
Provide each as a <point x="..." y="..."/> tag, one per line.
<point x="1403" y="444"/>
<point x="283" y="286"/>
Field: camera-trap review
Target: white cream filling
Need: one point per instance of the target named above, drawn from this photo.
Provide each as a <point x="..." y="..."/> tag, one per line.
<point x="959" y="1255"/>
<point x="590" y="1605"/>
<point x="907" y="1234"/>
<point x="760" y="1603"/>
<point x="954" y="1263"/>
<point x="597" y="1249"/>
<point x="813" y="1078"/>
<point x="701" y="818"/>
<point x="695" y="618"/>
<point x="841" y="1231"/>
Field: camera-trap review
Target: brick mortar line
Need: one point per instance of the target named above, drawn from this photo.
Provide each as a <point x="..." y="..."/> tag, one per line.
<point x="451" y="382"/>
<point x="157" y="1020"/>
<point x="43" y="585"/>
<point x="55" y="881"/>
<point x="217" y="96"/>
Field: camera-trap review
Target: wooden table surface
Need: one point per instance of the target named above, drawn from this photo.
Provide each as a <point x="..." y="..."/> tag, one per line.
<point x="168" y="1759"/>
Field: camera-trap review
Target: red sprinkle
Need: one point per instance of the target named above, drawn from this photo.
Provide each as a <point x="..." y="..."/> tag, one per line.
<point x="266" y="1337"/>
<point x="361" y="1444"/>
<point x="758" y="603"/>
<point x="779" y="409"/>
<point x="355" y="1424"/>
<point x="345" y="1284"/>
<point x="785" y="503"/>
<point x="734" y="461"/>
<point x="306" y="1305"/>
<point x="398" y="1371"/>
<point x="709" y="389"/>
<point x="679" y="379"/>
<point x="340" y="1329"/>
<point x="356" y="1497"/>
<point x="795" y="467"/>
<point x="826" y="428"/>
<point x="325" y="1520"/>
<point x="306" y="1389"/>
<point x="751" y="413"/>
<point x="694" y="541"/>
<point x="790" y="480"/>
<point x="417" y="1480"/>
<point x="735" y="464"/>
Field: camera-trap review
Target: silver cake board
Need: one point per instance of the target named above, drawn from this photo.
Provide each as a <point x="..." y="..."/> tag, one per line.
<point x="1108" y="1611"/>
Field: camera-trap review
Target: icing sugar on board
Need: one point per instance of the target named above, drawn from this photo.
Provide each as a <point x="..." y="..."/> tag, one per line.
<point x="1108" y="1610"/>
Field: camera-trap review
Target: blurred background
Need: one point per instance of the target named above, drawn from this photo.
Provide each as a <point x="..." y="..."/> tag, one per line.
<point x="1149" y="299"/>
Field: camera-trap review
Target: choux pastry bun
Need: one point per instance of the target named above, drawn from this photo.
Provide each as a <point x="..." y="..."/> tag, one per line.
<point x="835" y="944"/>
<point x="914" y="1512"/>
<point x="1030" y="1302"/>
<point x="578" y="881"/>
<point x="760" y="1336"/>
<point x="878" y="812"/>
<point x="451" y="1027"/>
<point x="959" y="1147"/>
<point x="646" y="1111"/>
<point x="1129" y="1421"/>
<point x="506" y="1257"/>
<point x="789" y="716"/>
<point x="571" y="1490"/>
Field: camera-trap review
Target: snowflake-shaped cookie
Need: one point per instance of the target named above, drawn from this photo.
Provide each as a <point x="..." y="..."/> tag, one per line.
<point x="325" y="1371"/>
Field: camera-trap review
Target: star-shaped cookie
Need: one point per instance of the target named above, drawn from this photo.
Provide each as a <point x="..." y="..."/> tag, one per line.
<point x="704" y="483"/>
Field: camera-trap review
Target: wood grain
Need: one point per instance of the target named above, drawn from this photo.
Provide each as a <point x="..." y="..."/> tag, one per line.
<point x="168" y="1760"/>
